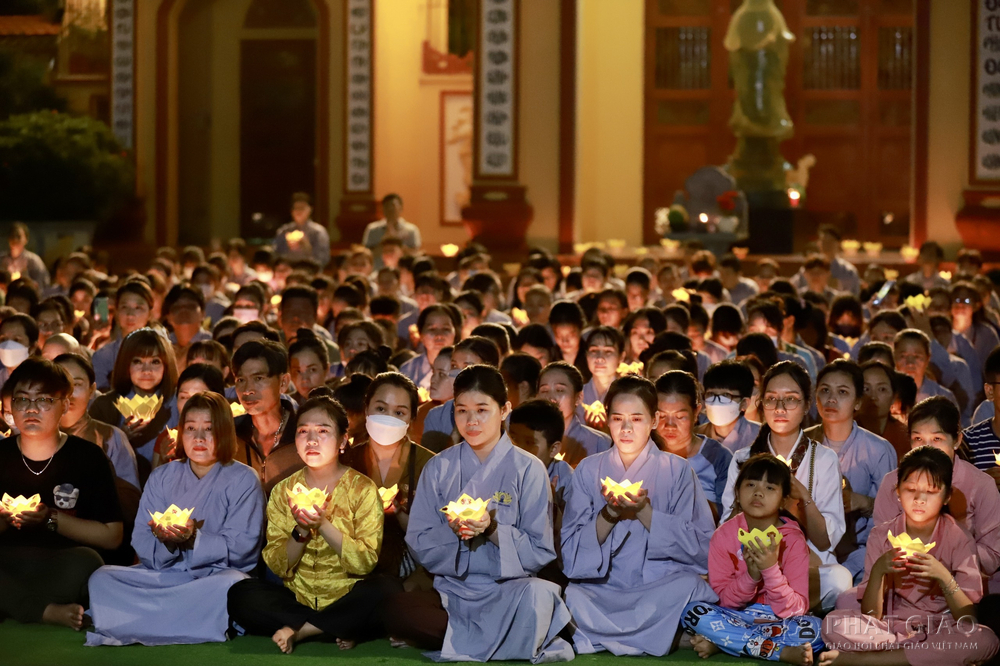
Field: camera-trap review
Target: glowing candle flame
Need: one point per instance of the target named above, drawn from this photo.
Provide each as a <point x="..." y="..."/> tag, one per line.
<point x="618" y="490"/>
<point x="143" y="408"/>
<point x="304" y="499"/>
<point x="388" y="494"/>
<point x="909" y="546"/>
<point x="172" y="517"/>
<point x="449" y="250"/>
<point x="466" y="508"/>
<point x="15" y="506"/>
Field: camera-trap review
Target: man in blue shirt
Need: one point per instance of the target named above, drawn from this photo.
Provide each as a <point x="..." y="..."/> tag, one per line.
<point x="302" y="238"/>
<point x="983" y="438"/>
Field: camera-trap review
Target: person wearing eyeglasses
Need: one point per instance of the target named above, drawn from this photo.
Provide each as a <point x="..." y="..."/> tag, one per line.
<point x="968" y="317"/>
<point x="816" y="500"/>
<point x="47" y="553"/>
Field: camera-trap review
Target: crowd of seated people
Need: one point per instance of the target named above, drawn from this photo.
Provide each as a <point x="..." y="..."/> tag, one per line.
<point x="574" y="460"/>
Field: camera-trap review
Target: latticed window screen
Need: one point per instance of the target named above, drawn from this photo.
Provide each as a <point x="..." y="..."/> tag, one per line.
<point x="683" y="58"/>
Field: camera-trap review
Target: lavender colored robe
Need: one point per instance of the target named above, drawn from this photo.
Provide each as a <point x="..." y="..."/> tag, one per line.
<point x="179" y="597"/>
<point x="496" y="608"/>
<point x="627" y="594"/>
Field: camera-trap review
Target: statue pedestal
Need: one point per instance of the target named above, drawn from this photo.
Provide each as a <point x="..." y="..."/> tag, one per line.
<point x="498" y="216"/>
<point x="772" y="222"/>
<point x="757" y="165"/>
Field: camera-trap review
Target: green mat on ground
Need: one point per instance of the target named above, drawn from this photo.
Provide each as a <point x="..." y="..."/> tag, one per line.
<point x="36" y="645"/>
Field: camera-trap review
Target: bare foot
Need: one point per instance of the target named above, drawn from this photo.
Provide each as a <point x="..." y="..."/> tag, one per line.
<point x="284" y="638"/>
<point x="397" y="643"/>
<point x="345" y="645"/>
<point x="64" y="615"/>
<point x="829" y="658"/>
<point x="704" y="647"/>
<point x="800" y="654"/>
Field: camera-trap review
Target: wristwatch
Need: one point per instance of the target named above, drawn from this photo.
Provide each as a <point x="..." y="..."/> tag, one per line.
<point x="52" y="524"/>
<point x="298" y="537"/>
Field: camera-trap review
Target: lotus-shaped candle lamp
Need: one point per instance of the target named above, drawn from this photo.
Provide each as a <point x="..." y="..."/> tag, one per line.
<point x="630" y="369"/>
<point x="79" y="314"/>
<point x="237" y="409"/>
<point x="466" y="508"/>
<point x="670" y="245"/>
<point x="172" y="517"/>
<point x="295" y="236"/>
<point x="891" y="274"/>
<point x="15" y="275"/>
<point x="850" y="246"/>
<point x="423" y="394"/>
<point x="681" y="295"/>
<point x="388" y="494"/>
<point x="15" y="506"/>
<point x="767" y="537"/>
<point x="519" y="316"/>
<point x="945" y="275"/>
<point x="618" y="490"/>
<point x="783" y="459"/>
<point x="918" y="302"/>
<point x="595" y="411"/>
<point x="996" y="457"/>
<point x="909" y="546"/>
<point x="873" y="249"/>
<point x="566" y="270"/>
<point x="276" y="300"/>
<point x="140" y="407"/>
<point x="562" y="456"/>
<point x="909" y="253"/>
<point x="304" y="499"/>
<point x="449" y="250"/>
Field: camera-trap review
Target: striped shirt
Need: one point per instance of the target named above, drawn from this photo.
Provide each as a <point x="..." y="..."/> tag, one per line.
<point x="983" y="443"/>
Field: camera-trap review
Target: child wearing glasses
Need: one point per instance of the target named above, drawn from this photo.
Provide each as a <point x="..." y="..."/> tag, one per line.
<point x="816" y="500"/>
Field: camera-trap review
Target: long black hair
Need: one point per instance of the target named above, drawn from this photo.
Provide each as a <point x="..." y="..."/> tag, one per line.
<point x="799" y="375"/>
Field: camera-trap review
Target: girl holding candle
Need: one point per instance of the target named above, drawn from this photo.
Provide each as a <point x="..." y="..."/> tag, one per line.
<point x="145" y="368"/>
<point x="914" y="599"/>
<point x="816" y="501"/>
<point x="643" y="549"/>
<point x="133" y="306"/>
<point x="321" y="553"/>
<point x="974" y="502"/>
<point x="763" y="582"/>
<point x="390" y="459"/>
<point x="177" y="592"/>
<point x="562" y="384"/>
<point x="308" y="364"/>
<point x="486" y="603"/>
<point x="605" y="349"/>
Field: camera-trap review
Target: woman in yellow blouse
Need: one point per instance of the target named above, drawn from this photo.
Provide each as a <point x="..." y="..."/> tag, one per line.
<point x="322" y="552"/>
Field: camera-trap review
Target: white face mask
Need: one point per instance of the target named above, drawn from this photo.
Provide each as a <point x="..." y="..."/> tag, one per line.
<point x="12" y="353"/>
<point x="207" y="290"/>
<point x="243" y="315"/>
<point x="9" y="419"/>
<point x="385" y="430"/>
<point x="721" y="411"/>
<point x="188" y="272"/>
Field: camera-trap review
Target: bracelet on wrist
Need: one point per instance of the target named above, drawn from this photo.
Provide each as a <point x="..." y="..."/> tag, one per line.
<point x="952" y="587"/>
<point x="607" y="515"/>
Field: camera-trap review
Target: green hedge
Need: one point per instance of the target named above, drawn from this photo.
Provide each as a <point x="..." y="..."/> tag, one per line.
<point x="55" y="166"/>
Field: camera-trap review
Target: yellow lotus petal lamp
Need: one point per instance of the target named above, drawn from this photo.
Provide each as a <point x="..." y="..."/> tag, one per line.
<point x="945" y="275"/>
<point x="15" y="275"/>
<point x="79" y="314"/>
<point x="787" y="461"/>
<point x="174" y="516"/>
<point x="15" y="506"/>
<point x="767" y="537"/>
<point x="562" y="456"/>
<point x="918" y="302"/>
<point x="681" y="295"/>
<point x="237" y="409"/>
<point x="143" y="408"/>
<point x="850" y="246"/>
<point x="449" y="250"/>
<point x="566" y="270"/>
<point x="909" y="253"/>
<point x="304" y="499"/>
<point x="630" y="369"/>
<point x="466" y="508"/>
<point x="519" y="316"/>
<point x="909" y="546"/>
<point x="388" y="494"/>
<point x="295" y="236"/>
<point x="670" y="245"/>
<point x="891" y="274"/>
<point x="423" y="394"/>
<point x="996" y="457"/>
<point x="595" y="411"/>
<point x="873" y="249"/>
<point x="618" y="490"/>
<point x="276" y="300"/>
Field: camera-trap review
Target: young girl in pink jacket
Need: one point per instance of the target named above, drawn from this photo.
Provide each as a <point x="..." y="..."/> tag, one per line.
<point x="763" y="584"/>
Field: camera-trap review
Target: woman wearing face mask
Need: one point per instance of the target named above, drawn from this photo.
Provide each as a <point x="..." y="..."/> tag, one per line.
<point x="440" y="391"/>
<point x="18" y="341"/>
<point x="248" y="304"/>
<point x="439" y="426"/>
<point x="133" y="305"/>
<point x="969" y="320"/>
<point x="865" y="458"/>
<point x="177" y="592"/>
<point x="323" y="554"/>
<point x="391" y="460"/>
<point x="729" y="389"/>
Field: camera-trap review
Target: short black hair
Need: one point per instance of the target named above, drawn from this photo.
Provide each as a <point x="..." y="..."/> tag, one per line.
<point x="731" y="375"/>
<point x="870" y="351"/>
<point x="541" y="416"/>
<point x="566" y="312"/>
<point x="52" y="377"/>
<point x="931" y="460"/>
<point x="678" y="314"/>
<point x="495" y="332"/>
<point x="271" y="352"/>
<point x="727" y="318"/>
<point x="522" y="367"/>
<point x="759" y="345"/>
<point x="300" y="291"/>
<point x="27" y="323"/>
<point x="992" y="367"/>
<point x="385" y="306"/>
<point x="538" y="336"/>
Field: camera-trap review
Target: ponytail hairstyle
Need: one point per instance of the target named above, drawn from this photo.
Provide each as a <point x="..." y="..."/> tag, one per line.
<point x="678" y="382"/>
<point x="801" y="378"/>
<point x="762" y="466"/>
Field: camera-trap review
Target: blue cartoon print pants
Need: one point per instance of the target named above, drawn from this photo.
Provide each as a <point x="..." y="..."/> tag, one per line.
<point x="752" y="632"/>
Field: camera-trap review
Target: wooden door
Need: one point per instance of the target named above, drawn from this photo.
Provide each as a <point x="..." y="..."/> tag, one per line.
<point x="848" y="90"/>
<point x="277" y="130"/>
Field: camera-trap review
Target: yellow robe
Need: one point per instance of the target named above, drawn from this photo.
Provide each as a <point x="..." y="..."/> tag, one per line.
<point x="321" y="576"/>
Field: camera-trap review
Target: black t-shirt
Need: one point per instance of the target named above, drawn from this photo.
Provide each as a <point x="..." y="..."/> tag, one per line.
<point x="78" y="481"/>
